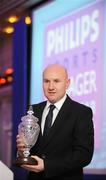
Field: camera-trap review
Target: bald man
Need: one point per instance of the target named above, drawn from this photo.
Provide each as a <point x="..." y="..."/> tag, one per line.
<point x="68" y="146"/>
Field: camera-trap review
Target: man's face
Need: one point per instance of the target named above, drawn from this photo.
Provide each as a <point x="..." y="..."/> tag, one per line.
<point x="55" y="83"/>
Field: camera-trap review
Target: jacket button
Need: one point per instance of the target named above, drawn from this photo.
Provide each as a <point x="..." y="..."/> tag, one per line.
<point x="43" y="156"/>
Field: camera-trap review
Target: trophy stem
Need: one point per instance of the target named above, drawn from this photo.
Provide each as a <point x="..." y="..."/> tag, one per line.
<point x="26" y="152"/>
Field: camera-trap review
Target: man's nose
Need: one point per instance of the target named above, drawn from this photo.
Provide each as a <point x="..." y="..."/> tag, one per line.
<point x="51" y="85"/>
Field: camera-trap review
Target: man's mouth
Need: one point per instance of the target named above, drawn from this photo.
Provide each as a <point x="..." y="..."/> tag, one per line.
<point x="51" y="93"/>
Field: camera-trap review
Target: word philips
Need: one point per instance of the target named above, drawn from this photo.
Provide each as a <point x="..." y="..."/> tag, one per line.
<point x="73" y="34"/>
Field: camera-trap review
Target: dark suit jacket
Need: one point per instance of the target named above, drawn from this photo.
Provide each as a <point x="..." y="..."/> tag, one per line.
<point x="69" y="145"/>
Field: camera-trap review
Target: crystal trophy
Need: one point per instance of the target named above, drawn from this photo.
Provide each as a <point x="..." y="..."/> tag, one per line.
<point x="28" y="130"/>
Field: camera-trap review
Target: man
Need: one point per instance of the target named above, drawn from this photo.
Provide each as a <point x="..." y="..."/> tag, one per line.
<point x="69" y="144"/>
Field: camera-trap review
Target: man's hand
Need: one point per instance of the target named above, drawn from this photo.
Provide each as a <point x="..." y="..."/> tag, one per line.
<point x="35" y="168"/>
<point x="20" y="145"/>
<point x="20" y="148"/>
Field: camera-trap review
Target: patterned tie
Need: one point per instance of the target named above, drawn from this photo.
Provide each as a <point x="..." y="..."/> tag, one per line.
<point x="48" y="121"/>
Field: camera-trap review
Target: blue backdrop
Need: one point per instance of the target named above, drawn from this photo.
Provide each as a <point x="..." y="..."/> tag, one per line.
<point x="19" y="87"/>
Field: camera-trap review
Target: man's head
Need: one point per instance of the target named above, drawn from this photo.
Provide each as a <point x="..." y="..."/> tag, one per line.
<point x="55" y="82"/>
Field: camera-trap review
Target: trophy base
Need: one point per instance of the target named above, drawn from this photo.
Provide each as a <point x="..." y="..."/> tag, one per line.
<point x="25" y="161"/>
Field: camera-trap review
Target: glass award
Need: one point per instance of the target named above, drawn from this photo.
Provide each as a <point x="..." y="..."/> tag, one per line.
<point x="28" y="130"/>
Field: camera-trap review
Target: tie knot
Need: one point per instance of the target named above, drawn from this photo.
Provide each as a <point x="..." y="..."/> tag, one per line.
<point x="52" y="107"/>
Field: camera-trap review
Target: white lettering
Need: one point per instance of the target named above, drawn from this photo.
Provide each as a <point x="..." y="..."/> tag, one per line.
<point x="73" y="34"/>
<point x="83" y="83"/>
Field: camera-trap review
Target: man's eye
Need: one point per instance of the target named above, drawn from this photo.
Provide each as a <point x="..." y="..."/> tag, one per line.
<point x="45" y="81"/>
<point x="56" y="81"/>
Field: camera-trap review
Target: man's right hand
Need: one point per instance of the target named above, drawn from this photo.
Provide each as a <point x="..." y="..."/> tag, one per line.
<point x="20" y="145"/>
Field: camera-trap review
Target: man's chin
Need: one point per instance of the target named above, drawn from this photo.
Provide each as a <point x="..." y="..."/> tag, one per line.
<point x="52" y="100"/>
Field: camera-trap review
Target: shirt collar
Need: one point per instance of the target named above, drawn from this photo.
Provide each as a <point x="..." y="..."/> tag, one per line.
<point x="57" y="104"/>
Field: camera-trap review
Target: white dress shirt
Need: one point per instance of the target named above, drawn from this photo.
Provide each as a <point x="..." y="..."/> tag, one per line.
<point x="55" y="111"/>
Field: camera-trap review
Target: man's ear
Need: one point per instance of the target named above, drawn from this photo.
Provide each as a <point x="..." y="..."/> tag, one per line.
<point x="68" y="82"/>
